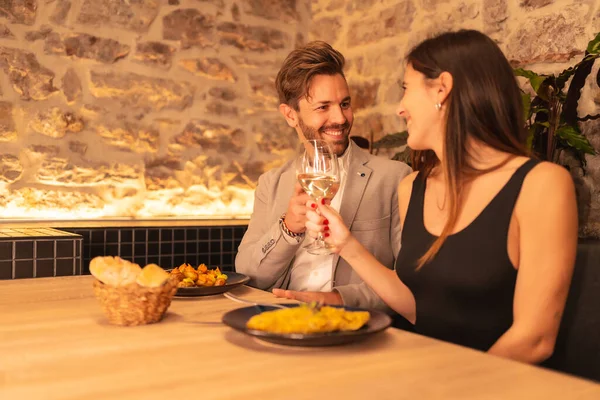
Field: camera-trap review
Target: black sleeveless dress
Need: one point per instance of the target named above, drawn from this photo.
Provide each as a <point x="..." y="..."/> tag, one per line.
<point x="465" y="294"/>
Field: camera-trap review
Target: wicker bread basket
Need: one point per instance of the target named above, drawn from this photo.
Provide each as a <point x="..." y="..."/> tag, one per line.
<point x="134" y="304"/>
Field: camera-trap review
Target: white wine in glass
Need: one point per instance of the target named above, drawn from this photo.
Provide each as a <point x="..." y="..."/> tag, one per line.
<point x="319" y="175"/>
<point x="319" y="186"/>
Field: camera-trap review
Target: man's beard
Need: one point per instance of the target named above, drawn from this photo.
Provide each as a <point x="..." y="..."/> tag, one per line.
<point x="339" y="146"/>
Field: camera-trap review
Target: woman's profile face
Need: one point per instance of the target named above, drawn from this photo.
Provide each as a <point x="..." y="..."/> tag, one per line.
<point x="418" y="108"/>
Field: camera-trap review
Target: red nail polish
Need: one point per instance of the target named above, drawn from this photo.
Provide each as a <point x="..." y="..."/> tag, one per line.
<point x="322" y="201"/>
<point x="325" y="222"/>
<point x="326" y="234"/>
<point x="326" y="228"/>
<point x="313" y="205"/>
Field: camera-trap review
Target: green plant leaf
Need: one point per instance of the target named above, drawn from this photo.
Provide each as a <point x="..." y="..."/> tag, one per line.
<point x="571" y="102"/>
<point x="535" y="80"/>
<point x="562" y="97"/>
<point x="530" y="136"/>
<point x="564" y="76"/>
<point x="391" y="141"/>
<point x="575" y="139"/>
<point x="540" y="110"/>
<point x="526" y="99"/>
<point x="593" y="46"/>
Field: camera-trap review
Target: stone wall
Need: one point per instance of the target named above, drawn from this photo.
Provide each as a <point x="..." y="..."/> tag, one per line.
<point x="543" y="35"/>
<point x="141" y="108"/>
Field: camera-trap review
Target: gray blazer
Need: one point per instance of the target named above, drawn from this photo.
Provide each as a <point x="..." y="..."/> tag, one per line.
<point x="369" y="208"/>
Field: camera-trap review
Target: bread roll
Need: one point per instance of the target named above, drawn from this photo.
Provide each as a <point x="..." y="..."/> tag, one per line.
<point x="114" y="271"/>
<point x="152" y="276"/>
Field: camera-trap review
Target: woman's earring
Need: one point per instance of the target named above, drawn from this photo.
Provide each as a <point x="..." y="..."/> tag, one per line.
<point x="438" y="106"/>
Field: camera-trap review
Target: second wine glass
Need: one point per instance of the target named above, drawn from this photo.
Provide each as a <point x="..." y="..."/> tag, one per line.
<point x="319" y="175"/>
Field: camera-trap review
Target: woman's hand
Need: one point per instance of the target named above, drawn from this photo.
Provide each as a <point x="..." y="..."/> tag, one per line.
<point x="330" y="223"/>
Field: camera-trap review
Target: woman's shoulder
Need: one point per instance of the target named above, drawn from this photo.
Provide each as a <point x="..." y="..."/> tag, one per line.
<point x="406" y="184"/>
<point x="404" y="193"/>
<point x="407" y="181"/>
<point x="540" y="173"/>
<point x="546" y="187"/>
<point x="549" y="177"/>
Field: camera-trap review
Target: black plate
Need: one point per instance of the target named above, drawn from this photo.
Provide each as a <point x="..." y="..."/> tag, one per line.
<point x="233" y="280"/>
<point x="238" y="318"/>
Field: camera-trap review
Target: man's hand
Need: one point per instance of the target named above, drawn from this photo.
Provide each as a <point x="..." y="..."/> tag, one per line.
<point x="332" y="298"/>
<point x="295" y="216"/>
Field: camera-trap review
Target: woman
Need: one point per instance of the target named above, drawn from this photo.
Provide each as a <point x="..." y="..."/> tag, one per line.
<point x="489" y="234"/>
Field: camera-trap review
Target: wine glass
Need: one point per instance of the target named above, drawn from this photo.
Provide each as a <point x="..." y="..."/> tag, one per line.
<point x="319" y="175"/>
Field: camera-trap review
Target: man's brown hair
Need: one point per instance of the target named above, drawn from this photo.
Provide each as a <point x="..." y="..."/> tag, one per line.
<point x="301" y="65"/>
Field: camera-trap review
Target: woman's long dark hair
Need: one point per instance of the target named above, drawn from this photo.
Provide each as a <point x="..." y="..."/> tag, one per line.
<point x="484" y="105"/>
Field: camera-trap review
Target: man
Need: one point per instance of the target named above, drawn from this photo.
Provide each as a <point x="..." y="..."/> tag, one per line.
<point x="316" y="102"/>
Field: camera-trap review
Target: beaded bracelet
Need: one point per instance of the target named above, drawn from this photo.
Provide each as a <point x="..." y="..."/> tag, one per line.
<point x="286" y="230"/>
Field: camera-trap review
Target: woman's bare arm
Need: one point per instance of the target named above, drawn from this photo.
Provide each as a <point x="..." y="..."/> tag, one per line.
<point x="546" y="213"/>
<point x="382" y="280"/>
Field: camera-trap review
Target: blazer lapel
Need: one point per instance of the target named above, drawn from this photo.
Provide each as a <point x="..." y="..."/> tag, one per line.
<point x="356" y="183"/>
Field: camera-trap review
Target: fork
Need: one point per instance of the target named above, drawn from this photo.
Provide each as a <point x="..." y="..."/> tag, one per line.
<point x="240" y="300"/>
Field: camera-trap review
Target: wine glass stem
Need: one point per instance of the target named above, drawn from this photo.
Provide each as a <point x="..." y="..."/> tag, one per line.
<point x="320" y="238"/>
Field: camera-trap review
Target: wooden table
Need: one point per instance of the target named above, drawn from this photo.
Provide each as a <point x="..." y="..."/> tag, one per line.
<point x="56" y="344"/>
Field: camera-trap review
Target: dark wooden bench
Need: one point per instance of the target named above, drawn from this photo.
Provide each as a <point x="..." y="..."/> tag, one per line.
<point x="578" y="345"/>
